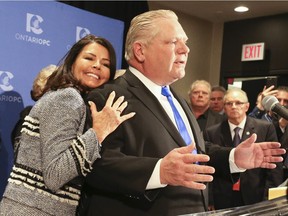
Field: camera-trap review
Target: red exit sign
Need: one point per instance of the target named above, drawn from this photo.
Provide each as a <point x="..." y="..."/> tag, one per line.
<point x="252" y="52"/>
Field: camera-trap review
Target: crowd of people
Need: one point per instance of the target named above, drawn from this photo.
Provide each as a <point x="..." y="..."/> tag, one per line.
<point x="95" y="145"/>
<point x="218" y="112"/>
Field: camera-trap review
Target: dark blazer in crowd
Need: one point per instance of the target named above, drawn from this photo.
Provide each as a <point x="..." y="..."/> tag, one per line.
<point x="210" y="118"/>
<point x="284" y="143"/>
<point x="254" y="183"/>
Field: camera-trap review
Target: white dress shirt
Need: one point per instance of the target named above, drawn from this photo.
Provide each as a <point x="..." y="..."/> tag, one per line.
<point x="233" y="166"/>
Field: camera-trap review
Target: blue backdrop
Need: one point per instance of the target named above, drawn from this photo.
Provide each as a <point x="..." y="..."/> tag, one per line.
<point x="34" y="35"/>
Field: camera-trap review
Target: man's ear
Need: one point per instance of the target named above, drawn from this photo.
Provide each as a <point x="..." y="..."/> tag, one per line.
<point x="247" y="106"/>
<point x="138" y="51"/>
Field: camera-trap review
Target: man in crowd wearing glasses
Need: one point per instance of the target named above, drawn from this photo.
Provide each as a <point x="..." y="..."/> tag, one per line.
<point x="251" y="186"/>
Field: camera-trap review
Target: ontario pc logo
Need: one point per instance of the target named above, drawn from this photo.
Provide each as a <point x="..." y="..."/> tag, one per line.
<point x="33" y="25"/>
<point x="33" y="22"/>
<point x="5" y="77"/>
<point x="81" y="32"/>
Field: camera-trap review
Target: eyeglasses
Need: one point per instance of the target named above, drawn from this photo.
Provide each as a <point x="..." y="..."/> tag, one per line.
<point x="236" y="103"/>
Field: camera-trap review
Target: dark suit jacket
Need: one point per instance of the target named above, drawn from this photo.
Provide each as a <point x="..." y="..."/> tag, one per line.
<point x="118" y="180"/>
<point x="284" y="144"/>
<point x="284" y="140"/>
<point x="253" y="183"/>
<point x="210" y="118"/>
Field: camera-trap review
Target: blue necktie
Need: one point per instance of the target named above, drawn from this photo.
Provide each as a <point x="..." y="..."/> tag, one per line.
<point x="179" y="121"/>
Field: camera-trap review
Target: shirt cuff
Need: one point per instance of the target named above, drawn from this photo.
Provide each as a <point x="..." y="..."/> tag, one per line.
<point x="233" y="167"/>
<point x="154" y="181"/>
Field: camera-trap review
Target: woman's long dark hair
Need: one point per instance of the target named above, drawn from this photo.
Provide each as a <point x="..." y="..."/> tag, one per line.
<point x="63" y="77"/>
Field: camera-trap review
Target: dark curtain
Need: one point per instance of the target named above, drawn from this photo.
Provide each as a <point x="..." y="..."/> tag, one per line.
<point x="121" y="10"/>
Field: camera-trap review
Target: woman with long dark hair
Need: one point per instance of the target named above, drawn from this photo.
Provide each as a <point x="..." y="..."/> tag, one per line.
<point x="56" y="151"/>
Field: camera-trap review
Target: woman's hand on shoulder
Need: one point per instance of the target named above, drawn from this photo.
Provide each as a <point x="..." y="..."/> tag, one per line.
<point x="109" y="118"/>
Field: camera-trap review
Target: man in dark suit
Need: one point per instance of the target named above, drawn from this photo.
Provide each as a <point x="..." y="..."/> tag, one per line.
<point x="251" y="186"/>
<point x="146" y="167"/>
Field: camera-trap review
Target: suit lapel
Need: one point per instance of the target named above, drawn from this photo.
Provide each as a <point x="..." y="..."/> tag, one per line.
<point x="248" y="129"/>
<point x="139" y="90"/>
<point x="225" y="131"/>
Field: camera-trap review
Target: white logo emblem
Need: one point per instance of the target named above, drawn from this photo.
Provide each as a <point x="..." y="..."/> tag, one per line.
<point x="5" y="77"/>
<point x="33" y="23"/>
<point x="81" y="32"/>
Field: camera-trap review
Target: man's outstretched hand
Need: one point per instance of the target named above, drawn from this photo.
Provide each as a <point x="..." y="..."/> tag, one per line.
<point x="249" y="154"/>
<point x="180" y="168"/>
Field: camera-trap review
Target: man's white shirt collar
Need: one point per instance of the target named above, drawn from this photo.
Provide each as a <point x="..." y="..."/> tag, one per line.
<point x="153" y="87"/>
<point x="233" y="126"/>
